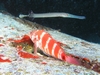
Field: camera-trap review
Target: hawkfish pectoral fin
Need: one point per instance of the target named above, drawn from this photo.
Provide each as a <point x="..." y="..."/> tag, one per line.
<point x="24" y="54"/>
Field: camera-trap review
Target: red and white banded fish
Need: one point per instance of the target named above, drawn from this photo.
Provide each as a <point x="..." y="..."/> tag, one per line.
<point x="49" y="46"/>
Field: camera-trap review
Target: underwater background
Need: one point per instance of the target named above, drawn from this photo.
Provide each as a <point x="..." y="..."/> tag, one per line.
<point x="87" y="29"/>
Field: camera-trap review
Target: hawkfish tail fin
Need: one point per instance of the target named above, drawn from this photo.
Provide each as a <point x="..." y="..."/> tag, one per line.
<point x="70" y="59"/>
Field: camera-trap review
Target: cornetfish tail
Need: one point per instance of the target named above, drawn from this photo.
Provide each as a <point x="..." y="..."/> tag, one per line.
<point x="70" y="59"/>
<point x="75" y="16"/>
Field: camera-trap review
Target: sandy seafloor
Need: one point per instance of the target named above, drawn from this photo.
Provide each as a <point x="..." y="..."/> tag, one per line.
<point x="10" y="27"/>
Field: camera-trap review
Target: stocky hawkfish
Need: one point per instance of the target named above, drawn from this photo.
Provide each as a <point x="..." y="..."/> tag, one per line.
<point x="48" y="45"/>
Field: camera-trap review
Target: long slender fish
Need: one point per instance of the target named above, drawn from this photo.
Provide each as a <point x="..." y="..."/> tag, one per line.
<point x="55" y="14"/>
